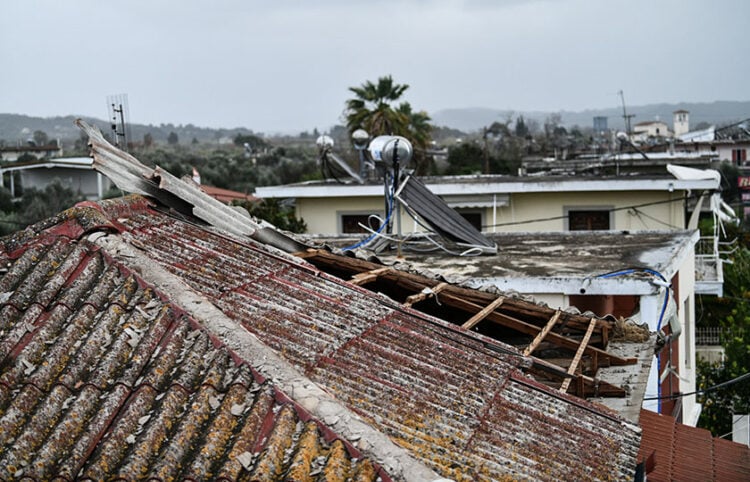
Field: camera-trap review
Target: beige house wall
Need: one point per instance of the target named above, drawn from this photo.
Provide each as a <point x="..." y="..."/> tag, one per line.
<point x="322" y="214"/>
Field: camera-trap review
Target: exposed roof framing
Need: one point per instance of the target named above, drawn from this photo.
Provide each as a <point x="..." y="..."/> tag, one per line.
<point x="574" y="346"/>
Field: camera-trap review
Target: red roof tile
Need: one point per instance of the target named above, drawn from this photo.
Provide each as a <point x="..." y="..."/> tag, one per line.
<point x="689" y="453"/>
<point x="226" y="195"/>
<point x="101" y="377"/>
<point x="455" y="400"/>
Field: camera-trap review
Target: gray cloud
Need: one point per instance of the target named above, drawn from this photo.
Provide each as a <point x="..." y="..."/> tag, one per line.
<point x="283" y="66"/>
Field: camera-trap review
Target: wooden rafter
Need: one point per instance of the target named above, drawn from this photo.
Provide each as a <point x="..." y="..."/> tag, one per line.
<point x="538" y="339"/>
<point x="529" y="329"/>
<point x="577" y="359"/>
<point x="474" y="320"/>
<point x="368" y="276"/>
<point x="425" y="293"/>
<point x="547" y="326"/>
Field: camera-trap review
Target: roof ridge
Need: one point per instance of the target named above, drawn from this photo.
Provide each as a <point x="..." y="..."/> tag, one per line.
<point x="397" y="461"/>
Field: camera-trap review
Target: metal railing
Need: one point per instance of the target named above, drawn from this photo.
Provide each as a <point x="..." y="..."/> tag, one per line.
<point x="710" y="335"/>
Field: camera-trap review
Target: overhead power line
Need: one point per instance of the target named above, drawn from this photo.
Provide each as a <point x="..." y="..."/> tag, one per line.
<point x="699" y="392"/>
<point x="564" y="216"/>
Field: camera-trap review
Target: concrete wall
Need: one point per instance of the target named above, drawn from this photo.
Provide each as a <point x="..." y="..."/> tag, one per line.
<point x="686" y="313"/>
<point x="321" y="214"/>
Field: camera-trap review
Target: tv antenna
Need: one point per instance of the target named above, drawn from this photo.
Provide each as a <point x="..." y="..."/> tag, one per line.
<point x="625" y="114"/>
<point x="119" y="115"/>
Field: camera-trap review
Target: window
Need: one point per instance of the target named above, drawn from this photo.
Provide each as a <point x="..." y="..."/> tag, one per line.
<point x="739" y="156"/>
<point x="474" y="218"/>
<point x="352" y="223"/>
<point x="593" y="219"/>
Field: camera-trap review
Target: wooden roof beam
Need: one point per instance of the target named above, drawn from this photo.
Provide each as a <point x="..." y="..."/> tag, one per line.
<point x="483" y="313"/>
<point x="535" y="343"/>
<point x="529" y="329"/>
<point x="367" y="276"/>
<point x="577" y="359"/>
<point x="427" y="292"/>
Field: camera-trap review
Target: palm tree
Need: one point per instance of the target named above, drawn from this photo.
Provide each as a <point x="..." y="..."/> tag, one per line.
<point x="372" y="110"/>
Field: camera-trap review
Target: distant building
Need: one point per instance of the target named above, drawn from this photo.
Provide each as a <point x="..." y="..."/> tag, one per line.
<point x="12" y="153"/>
<point x="642" y="131"/>
<point x="600" y="124"/>
<point x="729" y="143"/>
<point x="681" y="122"/>
<point x="76" y="173"/>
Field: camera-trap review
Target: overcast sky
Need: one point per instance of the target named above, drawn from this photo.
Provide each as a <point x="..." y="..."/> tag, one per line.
<point x="286" y="65"/>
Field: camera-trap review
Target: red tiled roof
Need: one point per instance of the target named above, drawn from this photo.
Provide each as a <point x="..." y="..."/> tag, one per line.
<point x="101" y="377"/>
<point x="681" y="452"/>
<point x="226" y="195"/>
<point x="457" y="401"/>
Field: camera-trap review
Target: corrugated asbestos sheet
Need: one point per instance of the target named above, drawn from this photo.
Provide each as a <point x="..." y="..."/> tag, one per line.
<point x="442" y="393"/>
<point x="680" y="452"/>
<point x="102" y="379"/>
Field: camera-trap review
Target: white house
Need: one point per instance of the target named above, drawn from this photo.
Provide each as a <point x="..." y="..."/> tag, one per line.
<point x="76" y="173"/>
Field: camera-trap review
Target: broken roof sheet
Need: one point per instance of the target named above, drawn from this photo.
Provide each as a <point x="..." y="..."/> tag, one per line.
<point x="454" y="400"/>
<point x="102" y="377"/>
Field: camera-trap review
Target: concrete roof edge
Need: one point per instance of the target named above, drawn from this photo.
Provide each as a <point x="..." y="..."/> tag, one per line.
<point x="524" y="185"/>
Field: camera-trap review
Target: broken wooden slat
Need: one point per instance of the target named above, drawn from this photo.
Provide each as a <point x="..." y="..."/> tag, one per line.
<point x="529" y="329"/>
<point x="535" y="343"/>
<point x="483" y="313"/>
<point x="577" y="359"/>
<point x="425" y="293"/>
<point x="363" y="278"/>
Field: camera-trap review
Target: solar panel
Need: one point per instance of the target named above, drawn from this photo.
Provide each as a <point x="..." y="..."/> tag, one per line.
<point x="415" y="195"/>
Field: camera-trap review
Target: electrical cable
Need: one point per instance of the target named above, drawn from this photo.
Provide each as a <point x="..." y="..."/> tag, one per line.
<point x="555" y="218"/>
<point x="657" y="220"/>
<point x="705" y="390"/>
<point x="389" y="199"/>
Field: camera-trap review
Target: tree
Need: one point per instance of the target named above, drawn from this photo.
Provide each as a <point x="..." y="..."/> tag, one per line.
<point x="719" y="405"/>
<point x="465" y="158"/>
<point x="372" y="109"/>
<point x="172" y="139"/>
<point x="276" y="213"/>
<point x="40" y="138"/>
<point x="148" y="139"/>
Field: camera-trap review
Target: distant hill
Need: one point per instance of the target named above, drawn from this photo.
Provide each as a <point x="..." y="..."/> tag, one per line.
<point x="18" y="128"/>
<point x="719" y="112"/>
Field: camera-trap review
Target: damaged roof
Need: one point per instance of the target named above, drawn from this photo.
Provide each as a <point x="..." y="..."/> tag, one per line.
<point x="103" y="377"/>
<point x="417" y="396"/>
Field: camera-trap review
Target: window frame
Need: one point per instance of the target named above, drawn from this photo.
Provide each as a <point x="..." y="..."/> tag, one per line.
<point x="568" y="209"/>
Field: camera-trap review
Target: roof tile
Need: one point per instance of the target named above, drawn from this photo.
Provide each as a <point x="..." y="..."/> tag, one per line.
<point x="690" y="453"/>
<point x="436" y="390"/>
<point x="101" y="377"/>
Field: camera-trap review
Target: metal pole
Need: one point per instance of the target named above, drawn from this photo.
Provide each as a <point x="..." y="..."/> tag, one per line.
<point x="396" y="206"/>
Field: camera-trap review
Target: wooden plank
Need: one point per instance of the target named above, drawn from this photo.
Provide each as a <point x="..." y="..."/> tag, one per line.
<point x="529" y="329"/>
<point x="414" y="283"/>
<point x="483" y="313"/>
<point x="425" y="293"/>
<point x="577" y="359"/>
<point x="363" y="278"/>
<point x="535" y="343"/>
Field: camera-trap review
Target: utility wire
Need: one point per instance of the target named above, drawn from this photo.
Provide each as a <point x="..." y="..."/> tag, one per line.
<point x="705" y="390"/>
<point x="554" y="218"/>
